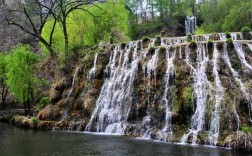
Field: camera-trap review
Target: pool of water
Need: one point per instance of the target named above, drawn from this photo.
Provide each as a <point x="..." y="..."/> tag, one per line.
<point x="21" y="142"/>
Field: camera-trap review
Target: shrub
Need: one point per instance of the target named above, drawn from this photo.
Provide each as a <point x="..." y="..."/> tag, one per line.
<point x="229" y="40"/>
<point x="123" y="45"/>
<point x="189" y="38"/>
<point x="228" y="35"/>
<point x="158" y="37"/>
<point x="152" y="47"/>
<point x="210" y="43"/>
<point x="246" y="129"/>
<point x="43" y="102"/>
<point x="200" y="31"/>
<point x="157" y="40"/>
<point x="146" y="39"/>
<point x="245" y="29"/>
<point x="34" y="120"/>
<point x="193" y="44"/>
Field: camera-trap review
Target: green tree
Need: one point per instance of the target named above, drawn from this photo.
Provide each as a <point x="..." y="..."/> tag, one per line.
<point x="100" y="22"/>
<point x="21" y="79"/>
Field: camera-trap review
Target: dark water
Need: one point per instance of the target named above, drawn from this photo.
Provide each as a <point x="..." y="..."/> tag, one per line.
<point x="20" y="142"/>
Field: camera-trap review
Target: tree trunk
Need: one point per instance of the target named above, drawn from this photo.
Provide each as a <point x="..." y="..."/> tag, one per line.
<point x="4" y="95"/>
<point x="29" y="107"/>
<point x="25" y="108"/>
<point x="49" y="48"/>
<point x="66" y="38"/>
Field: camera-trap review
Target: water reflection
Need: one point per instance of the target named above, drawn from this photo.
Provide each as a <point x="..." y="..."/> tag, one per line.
<point x="20" y="142"/>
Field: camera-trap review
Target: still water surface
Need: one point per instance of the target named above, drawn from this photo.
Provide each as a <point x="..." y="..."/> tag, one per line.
<point x="20" y="142"/>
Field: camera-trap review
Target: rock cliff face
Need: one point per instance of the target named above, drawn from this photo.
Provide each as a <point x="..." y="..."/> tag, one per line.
<point x="165" y="89"/>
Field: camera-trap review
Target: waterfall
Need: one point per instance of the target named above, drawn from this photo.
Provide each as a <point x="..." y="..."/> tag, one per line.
<point x="222" y="36"/>
<point x="177" y="88"/>
<point x="65" y="113"/>
<point x="113" y="104"/>
<point x="215" y="119"/>
<point x="201" y="87"/>
<point x="169" y="74"/>
<point x="190" y="24"/>
<point x="92" y="71"/>
<point x="241" y="55"/>
<point x="244" y="90"/>
<point x="151" y="70"/>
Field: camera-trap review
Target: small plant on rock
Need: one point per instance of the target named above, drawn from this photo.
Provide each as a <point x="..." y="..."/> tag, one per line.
<point x="146" y="39"/>
<point x="228" y="35"/>
<point x="246" y="129"/>
<point x="189" y="38"/>
<point x="193" y="44"/>
<point x="34" y="120"/>
<point x="210" y="43"/>
<point x="229" y="41"/>
<point x="123" y="45"/>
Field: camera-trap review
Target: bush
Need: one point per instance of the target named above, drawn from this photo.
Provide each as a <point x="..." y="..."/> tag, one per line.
<point x="158" y="37"/>
<point x="200" y="31"/>
<point x="43" y="102"/>
<point x="152" y="47"/>
<point x="146" y="39"/>
<point x="229" y="40"/>
<point x="189" y="38"/>
<point x="34" y="120"/>
<point x="228" y="35"/>
<point x="210" y="43"/>
<point x="193" y="44"/>
<point x="123" y="45"/>
<point x="246" y="129"/>
<point x="245" y="29"/>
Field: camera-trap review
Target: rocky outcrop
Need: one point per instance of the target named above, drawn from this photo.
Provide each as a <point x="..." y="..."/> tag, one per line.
<point x="198" y="92"/>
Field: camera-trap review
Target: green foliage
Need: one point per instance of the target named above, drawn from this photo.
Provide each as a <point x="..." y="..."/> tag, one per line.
<point x="146" y="39"/>
<point x="123" y="45"/>
<point x="109" y="22"/>
<point x="152" y="48"/>
<point x="245" y="29"/>
<point x="210" y="44"/>
<point x="34" y="120"/>
<point x="189" y="38"/>
<point x="229" y="40"/>
<point x="43" y="102"/>
<point x="246" y="129"/>
<point x="226" y="15"/>
<point x="21" y="79"/>
<point x="228" y="35"/>
<point x="200" y="31"/>
<point x="158" y="37"/>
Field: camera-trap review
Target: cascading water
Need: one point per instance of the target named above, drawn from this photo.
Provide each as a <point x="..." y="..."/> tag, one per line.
<point x="166" y="97"/>
<point x="202" y="87"/>
<point x="244" y="90"/>
<point x="139" y="93"/>
<point x="190" y="24"/>
<point x="241" y="55"/>
<point x="65" y="113"/>
<point x="215" y="119"/>
<point x="151" y="71"/>
<point x="92" y="71"/>
<point x="113" y="104"/>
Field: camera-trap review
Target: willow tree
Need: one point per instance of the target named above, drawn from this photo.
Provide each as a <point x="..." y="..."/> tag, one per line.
<point x="21" y="80"/>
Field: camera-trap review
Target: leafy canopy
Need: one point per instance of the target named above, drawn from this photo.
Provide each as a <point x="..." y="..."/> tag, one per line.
<point x="20" y="72"/>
